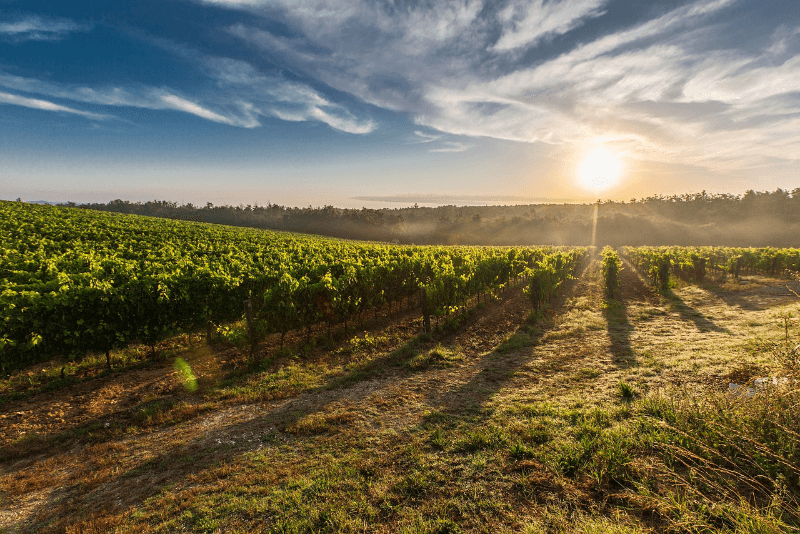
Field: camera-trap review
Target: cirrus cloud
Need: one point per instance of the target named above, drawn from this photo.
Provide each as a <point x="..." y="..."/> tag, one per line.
<point x="487" y="69"/>
<point x="36" y="28"/>
<point x="35" y="103"/>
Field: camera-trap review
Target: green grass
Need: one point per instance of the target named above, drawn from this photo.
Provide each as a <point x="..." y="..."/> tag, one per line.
<point x="285" y="381"/>
<point x="515" y="342"/>
<point x="438" y="356"/>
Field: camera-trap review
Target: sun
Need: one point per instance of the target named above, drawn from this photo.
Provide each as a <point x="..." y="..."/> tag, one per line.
<point x="600" y="170"/>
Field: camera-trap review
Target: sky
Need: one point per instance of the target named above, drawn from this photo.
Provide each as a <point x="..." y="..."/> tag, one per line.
<point x="358" y="102"/>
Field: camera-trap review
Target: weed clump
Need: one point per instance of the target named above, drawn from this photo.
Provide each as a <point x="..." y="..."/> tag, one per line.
<point x="787" y="354"/>
<point x="515" y="342"/>
<point x="481" y="439"/>
<point x="732" y="463"/>
<point x="627" y="392"/>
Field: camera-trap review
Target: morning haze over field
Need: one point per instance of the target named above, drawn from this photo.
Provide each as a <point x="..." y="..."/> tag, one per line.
<point x="387" y="104"/>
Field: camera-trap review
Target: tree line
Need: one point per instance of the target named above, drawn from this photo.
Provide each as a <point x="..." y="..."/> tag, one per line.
<point x="755" y="218"/>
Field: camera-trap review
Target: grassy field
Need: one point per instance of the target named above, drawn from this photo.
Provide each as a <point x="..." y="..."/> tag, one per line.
<point x="594" y="416"/>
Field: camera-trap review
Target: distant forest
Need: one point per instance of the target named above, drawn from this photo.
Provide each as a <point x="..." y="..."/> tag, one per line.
<point x="752" y="219"/>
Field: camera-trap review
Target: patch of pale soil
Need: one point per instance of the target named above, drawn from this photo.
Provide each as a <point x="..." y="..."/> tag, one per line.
<point x="23" y="508"/>
<point x="114" y="474"/>
<point x="98" y="399"/>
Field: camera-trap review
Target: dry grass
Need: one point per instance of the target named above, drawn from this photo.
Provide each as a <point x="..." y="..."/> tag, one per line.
<point x="571" y="422"/>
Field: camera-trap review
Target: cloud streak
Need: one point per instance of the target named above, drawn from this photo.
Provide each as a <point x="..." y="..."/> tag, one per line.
<point x="422" y="137"/>
<point x="451" y="146"/>
<point x="285" y="100"/>
<point x="141" y="97"/>
<point x="527" y="23"/>
<point x="35" y="28"/>
<point x="35" y="103"/>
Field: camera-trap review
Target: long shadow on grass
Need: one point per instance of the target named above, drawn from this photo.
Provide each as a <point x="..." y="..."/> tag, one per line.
<point x="752" y="299"/>
<point x="689" y="314"/>
<point x="619" y="332"/>
<point x="498" y="367"/>
<point x="632" y="288"/>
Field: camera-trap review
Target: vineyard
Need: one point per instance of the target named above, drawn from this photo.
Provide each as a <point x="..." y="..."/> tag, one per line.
<point x="75" y="282"/>
<point x="349" y="386"/>
<point x="694" y="263"/>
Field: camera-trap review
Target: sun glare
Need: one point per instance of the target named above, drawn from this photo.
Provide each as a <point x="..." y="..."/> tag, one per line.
<point x="600" y="170"/>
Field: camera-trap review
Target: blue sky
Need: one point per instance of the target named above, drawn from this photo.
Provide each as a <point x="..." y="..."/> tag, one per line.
<point x="316" y="101"/>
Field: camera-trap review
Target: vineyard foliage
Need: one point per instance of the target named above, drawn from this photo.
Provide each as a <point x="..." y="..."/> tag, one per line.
<point x="612" y="264"/>
<point x="693" y="263"/>
<point x="553" y="270"/>
<point x="76" y="281"/>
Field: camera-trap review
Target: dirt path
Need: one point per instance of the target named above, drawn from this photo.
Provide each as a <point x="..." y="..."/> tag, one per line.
<point x="496" y="358"/>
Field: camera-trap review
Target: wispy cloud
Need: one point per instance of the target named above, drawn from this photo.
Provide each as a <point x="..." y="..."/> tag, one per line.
<point x="35" y="28"/>
<point x="286" y="100"/>
<point x="241" y="115"/>
<point x="35" y="103"/>
<point x="422" y="137"/>
<point x="383" y="53"/>
<point x="269" y="95"/>
<point x="451" y="146"/>
<point x="172" y="101"/>
<point x="465" y="68"/>
<point x="438" y="142"/>
<point x="527" y="22"/>
<point x="341" y="121"/>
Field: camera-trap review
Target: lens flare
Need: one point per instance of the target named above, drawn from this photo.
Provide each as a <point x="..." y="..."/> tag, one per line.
<point x="186" y="374"/>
